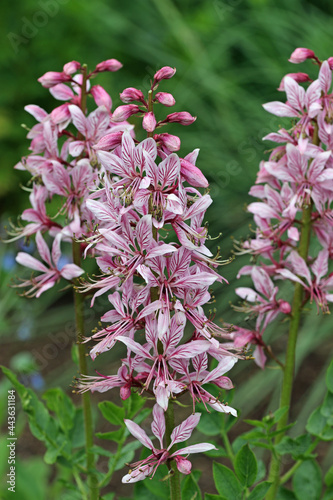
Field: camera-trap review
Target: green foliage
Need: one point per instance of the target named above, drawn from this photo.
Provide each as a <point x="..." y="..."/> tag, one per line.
<point x="246" y="466"/>
<point x="297" y="447"/>
<point x="259" y="492"/>
<point x="190" y="488"/>
<point x="307" y="482"/>
<point x="226" y="482"/>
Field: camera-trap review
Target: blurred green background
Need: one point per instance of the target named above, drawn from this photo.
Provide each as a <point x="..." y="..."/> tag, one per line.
<point x="230" y="56"/>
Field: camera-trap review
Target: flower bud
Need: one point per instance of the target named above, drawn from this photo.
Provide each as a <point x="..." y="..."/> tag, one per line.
<point x="192" y="174"/>
<point x="108" y="65"/>
<point x="164" y="74"/>
<point x="284" y="307"/>
<point x="121" y="113"/>
<point x="109" y="141"/>
<point x="101" y="97"/>
<point x="52" y="78"/>
<point x="300" y="55"/>
<point x="171" y="142"/>
<point x="165" y="98"/>
<point x="298" y="77"/>
<point x="71" y="67"/>
<point x="183" y="465"/>
<point x="149" y="122"/>
<point x="131" y="94"/>
<point x="183" y="117"/>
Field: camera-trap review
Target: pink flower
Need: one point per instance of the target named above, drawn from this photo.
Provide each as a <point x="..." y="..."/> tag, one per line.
<point x="147" y="467"/>
<point x="149" y="122"/>
<point x="317" y="288"/>
<point x="165" y="98"/>
<point x="182" y="117"/>
<point x="49" y="275"/>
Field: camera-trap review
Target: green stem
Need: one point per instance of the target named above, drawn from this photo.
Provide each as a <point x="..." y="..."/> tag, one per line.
<point x="289" y="368"/>
<point x="175" y="492"/>
<point x="88" y="425"/>
<point x="228" y="447"/>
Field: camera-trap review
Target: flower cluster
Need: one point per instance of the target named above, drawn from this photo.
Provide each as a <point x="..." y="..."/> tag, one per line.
<point x="295" y="189"/>
<point x="136" y="208"/>
<point x="64" y="168"/>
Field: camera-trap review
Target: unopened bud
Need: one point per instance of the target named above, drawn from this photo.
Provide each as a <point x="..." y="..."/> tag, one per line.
<point x="121" y="113"/>
<point x="298" y="77"/>
<point x="52" y="78"/>
<point x="109" y="141"/>
<point x="149" y="122"/>
<point x="71" y="67"/>
<point x="300" y="55"/>
<point x="183" y="117"/>
<point x="171" y="142"/>
<point x="193" y="174"/>
<point x="284" y="307"/>
<point x="131" y="94"/>
<point x="164" y="74"/>
<point x="108" y="65"/>
<point x="165" y="98"/>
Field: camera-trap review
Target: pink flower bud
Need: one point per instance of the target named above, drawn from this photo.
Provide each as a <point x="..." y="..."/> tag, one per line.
<point x="300" y="55"/>
<point x="149" y="122"/>
<point x="284" y="307"/>
<point x="108" y="65"/>
<point x="71" y="67"/>
<point x="165" y="98"/>
<point x="109" y="141"/>
<point x="125" y="392"/>
<point x="183" y="117"/>
<point x="171" y="142"/>
<point x="52" y="78"/>
<point x="183" y="465"/>
<point x="121" y="113"/>
<point x="101" y="97"/>
<point x="298" y="77"/>
<point x="164" y="74"/>
<point x="131" y="94"/>
<point x="192" y="174"/>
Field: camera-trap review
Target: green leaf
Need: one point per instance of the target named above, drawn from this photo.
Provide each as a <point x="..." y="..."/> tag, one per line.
<point x="327" y="407"/>
<point x="133" y="404"/>
<point x="116" y="436"/>
<point x="329" y="477"/>
<point x="256" y="423"/>
<point x="226" y="482"/>
<point x="259" y="492"/>
<point x="113" y="413"/>
<point x="285" y="494"/>
<point x="58" y="402"/>
<point x="329" y="377"/>
<point x="295" y="447"/>
<point x="318" y="426"/>
<point x="108" y="496"/>
<point x="210" y="424"/>
<point x="246" y="466"/>
<point x="190" y="489"/>
<point x="307" y="481"/>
